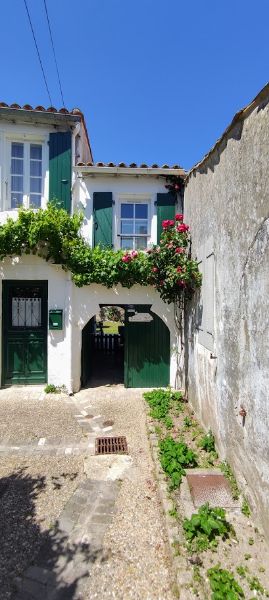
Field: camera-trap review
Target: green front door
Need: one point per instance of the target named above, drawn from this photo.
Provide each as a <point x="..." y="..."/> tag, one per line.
<point x="147" y="350"/>
<point x="24" y="332"/>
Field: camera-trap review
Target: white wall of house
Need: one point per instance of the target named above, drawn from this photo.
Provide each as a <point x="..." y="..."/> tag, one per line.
<point x="79" y="305"/>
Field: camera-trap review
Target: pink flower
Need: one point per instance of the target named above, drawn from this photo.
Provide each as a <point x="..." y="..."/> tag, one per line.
<point x="134" y="253"/>
<point x="165" y="224"/>
<point x="161" y="282"/>
<point x="179" y="250"/>
<point x="181" y="283"/>
<point x="171" y="223"/>
<point x="155" y="269"/>
<point x="179" y="269"/>
<point x="170" y="245"/>
<point x="126" y="258"/>
<point x="182" y="228"/>
<point x="179" y="217"/>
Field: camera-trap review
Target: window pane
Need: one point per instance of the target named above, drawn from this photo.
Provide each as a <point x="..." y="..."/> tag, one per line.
<point x="141" y="243"/>
<point x="16" y="166"/>
<point x="35" y="185"/>
<point x="127" y="227"/>
<point x="127" y="243"/>
<point x="127" y="211"/>
<point x="141" y="211"/>
<point x="16" y="150"/>
<point x="35" y="168"/>
<point x="17" y="183"/>
<point x="16" y="200"/>
<point x="141" y="227"/>
<point x="35" y="200"/>
<point x="36" y="151"/>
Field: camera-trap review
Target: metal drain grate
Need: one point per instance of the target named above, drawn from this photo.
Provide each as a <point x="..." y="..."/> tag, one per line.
<point x="111" y="445"/>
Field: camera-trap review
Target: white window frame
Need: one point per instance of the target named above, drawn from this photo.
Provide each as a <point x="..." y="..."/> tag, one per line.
<point x="133" y="199"/>
<point x="27" y="141"/>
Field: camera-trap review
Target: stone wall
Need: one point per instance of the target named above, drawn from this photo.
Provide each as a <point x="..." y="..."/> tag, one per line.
<point x="227" y="201"/>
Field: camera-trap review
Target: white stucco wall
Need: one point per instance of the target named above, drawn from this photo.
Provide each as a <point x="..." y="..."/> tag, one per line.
<point x="79" y="305"/>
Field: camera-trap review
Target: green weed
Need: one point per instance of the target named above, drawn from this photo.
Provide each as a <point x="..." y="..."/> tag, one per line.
<point x="245" y="508"/>
<point x="174" y="457"/>
<point x="223" y="584"/>
<point x="207" y="443"/>
<point x="204" y="528"/>
<point x="227" y="472"/>
<point x="52" y="389"/>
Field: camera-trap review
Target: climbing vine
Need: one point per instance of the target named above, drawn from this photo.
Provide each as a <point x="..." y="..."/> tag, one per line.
<point x="55" y="236"/>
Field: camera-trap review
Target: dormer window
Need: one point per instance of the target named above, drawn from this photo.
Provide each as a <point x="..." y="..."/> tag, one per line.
<point x="26" y="180"/>
<point x="134" y="225"/>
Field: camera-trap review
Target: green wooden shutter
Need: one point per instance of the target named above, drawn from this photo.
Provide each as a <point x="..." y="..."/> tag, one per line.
<point x="102" y="219"/>
<point x="60" y="171"/>
<point x="165" y="210"/>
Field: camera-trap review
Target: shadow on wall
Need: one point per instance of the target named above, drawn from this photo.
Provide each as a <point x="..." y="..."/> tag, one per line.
<point x="24" y="544"/>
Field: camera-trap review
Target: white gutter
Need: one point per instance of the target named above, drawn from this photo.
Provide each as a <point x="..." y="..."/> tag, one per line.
<point x="94" y="170"/>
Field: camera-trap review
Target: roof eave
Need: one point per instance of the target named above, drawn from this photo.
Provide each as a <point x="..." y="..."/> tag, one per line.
<point x="94" y="170"/>
<point x="34" y="116"/>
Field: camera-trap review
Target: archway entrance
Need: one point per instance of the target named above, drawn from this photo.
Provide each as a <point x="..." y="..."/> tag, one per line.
<point x="102" y="359"/>
<point x="137" y="354"/>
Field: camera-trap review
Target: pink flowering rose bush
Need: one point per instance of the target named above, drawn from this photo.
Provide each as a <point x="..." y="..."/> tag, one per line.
<point x="173" y="272"/>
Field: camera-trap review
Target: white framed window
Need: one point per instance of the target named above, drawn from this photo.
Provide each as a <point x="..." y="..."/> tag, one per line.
<point x="134" y="224"/>
<point x="26" y="174"/>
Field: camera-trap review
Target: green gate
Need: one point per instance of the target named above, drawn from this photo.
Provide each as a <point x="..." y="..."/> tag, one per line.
<point x="24" y="332"/>
<point x="147" y="350"/>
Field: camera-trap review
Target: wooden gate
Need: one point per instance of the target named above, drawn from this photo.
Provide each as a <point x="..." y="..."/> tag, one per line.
<point x="147" y="351"/>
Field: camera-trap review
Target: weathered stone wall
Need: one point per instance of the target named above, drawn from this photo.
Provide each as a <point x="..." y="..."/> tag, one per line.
<point x="227" y="198"/>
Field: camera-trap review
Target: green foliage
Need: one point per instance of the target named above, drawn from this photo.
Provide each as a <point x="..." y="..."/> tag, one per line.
<point x="245" y="508"/>
<point x="187" y="422"/>
<point x="160" y="402"/>
<point x="223" y="585"/>
<point x="207" y="443"/>
<point x="242" y="571"/>
<point x="251" y="541"/>
<point x="174" y="457"/>
<point x="52" y="389"/>
<point x="255" y="584"/>
<point x="204" y="527"/>
<point x="227" y="471"/>
<point x="55" y="236"/>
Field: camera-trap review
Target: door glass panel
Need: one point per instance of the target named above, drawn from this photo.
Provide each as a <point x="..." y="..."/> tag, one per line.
<point x="26" y="307"/>
<point x="16" y="199"/>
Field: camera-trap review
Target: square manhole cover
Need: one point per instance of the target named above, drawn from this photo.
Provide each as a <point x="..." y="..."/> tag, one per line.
<point x="211" y="487"/>
<point x="111" y="445"/>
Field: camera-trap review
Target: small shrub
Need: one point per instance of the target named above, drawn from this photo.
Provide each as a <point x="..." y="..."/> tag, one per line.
<point x="223" y="585"/>
<point x="204" y="527"/>
<point x="245" y="508"/>
<point x="255" y="584"/>
<point x="207" y="443"/>
<point x="187" y="422"/>
<point x="52" y="389"/>
<point x="174" y="457"/>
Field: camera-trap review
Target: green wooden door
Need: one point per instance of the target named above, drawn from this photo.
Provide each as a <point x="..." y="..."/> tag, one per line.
<point x="147" y="352"/>
<point x="24" y="332"/>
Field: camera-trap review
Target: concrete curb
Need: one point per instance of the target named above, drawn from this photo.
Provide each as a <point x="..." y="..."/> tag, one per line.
<point x="180" y="566"/>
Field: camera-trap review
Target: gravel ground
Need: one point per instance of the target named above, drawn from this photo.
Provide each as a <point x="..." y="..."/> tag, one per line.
<point x="137" y="564"/>
<point x="27" y="418"/>
<point x="33" y="493"/>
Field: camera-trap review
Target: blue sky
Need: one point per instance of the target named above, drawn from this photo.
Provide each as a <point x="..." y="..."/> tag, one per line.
<point x="158" y="81"/>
